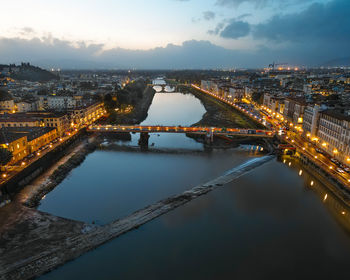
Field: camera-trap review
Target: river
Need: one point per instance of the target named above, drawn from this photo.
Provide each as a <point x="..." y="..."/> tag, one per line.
<point x="272" y="222"/>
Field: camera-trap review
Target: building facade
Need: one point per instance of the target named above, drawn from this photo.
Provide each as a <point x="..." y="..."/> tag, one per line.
<point x="334" y="135"/>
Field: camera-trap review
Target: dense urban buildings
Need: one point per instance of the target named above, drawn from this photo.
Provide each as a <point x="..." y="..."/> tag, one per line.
<point x="313" y="102"/>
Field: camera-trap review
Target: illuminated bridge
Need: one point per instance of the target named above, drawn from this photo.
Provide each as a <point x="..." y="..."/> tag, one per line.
<point x="209" y="132"/>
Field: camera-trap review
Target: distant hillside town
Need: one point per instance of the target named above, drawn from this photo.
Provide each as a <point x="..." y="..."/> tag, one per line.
<point x="25" y="71"/>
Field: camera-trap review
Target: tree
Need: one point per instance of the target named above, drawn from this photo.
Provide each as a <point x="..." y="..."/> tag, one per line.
<point x="110" y="102"/>
<point x="5" y="156"/>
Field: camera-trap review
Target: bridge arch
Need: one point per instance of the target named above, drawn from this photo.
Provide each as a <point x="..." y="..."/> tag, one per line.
<point x="164" y="88"/>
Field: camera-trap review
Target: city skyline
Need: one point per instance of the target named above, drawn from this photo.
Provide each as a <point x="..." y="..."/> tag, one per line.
<point x="175" y="34"/>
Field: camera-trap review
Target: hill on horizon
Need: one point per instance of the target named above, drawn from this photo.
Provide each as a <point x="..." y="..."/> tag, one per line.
<point x="28" y="72"/>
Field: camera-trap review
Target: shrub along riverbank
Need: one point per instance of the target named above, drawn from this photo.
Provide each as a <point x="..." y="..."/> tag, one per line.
<point x="219" y="114"/>
<point x="137" y="94"/>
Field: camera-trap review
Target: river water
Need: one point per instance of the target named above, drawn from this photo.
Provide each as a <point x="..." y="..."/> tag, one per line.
<point x="274" y="222"/>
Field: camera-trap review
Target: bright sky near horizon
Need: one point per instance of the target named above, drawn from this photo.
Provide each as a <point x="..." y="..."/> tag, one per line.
<point x="292" y="27"/>
<point x="131" y="24"/>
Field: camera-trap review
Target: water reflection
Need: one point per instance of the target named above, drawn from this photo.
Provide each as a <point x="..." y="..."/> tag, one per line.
<point x="337" y="204"/>
<point x="268" y="224"/>
<point x="112" y="184"/>
<point x="276" y="222"/>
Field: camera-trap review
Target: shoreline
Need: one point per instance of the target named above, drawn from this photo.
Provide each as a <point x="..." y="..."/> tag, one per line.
<point x="140" y="111"/>
<point x="28" y="221"/>
<point x="227" y="116"/>
<point x="53" y="241"/>
<point x="32" y="194"/>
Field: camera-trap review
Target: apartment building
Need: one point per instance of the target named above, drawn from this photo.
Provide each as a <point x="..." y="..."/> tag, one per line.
<point x="311" y="120"/>
<point x="334" y="134"/>
<point x="61" y="103"/>
<point x="294" y="109"/>
<point x="58" y="120"/>
<point x="86" y="114"/>
<point x="18" y="120"/>
<point x="22" y="141"/>
<point x="24" y="106"/>
<point x="16" y="143"/>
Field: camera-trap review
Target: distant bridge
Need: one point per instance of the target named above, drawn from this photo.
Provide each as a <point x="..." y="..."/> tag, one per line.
<point x="173" y="86"/>
<point x="209" y="132"/>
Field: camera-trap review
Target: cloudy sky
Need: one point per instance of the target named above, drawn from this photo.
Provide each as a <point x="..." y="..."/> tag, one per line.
<point x="174" y="33"/>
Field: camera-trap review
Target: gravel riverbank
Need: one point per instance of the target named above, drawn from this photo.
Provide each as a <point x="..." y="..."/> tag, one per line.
<point x="33" y="242"/>
<point x="32" y="194"/>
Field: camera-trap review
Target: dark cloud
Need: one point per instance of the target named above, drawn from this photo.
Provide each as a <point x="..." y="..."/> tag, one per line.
<point x="217" y="29"/>
<point x="310" y="37"/>
<point x="51" y="52"/>
<point x="324" y="23"/>
<point x="259" y="4"/>
<point x="208" y="15"/>
<point x="235" y="29"/>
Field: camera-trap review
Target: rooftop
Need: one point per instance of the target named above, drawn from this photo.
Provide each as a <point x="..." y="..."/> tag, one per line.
<point x="338" y="114"/>
<point x="10" y="134"/>
<point x="8" y="137"/>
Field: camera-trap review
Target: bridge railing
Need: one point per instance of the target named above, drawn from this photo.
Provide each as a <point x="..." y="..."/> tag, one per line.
<point x="181" y="129"/>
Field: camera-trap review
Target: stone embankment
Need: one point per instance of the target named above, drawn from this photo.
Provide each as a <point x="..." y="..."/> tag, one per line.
<point x="32" y="194"/>
<point x="32" y="242"/>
